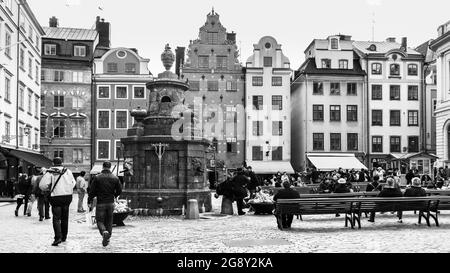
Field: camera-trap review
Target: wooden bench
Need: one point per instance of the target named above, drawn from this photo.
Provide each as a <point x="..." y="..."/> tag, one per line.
<point x="353" y="208"/>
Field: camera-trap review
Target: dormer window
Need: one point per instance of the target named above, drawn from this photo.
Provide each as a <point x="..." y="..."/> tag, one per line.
<point x="343" y="64"/>
<point x="372" y="47"/>
<point x="50" y="49"/>
<point x="326" y="63"/>
<point x="79" y="51"/>
<point x="395" y="70"/>
<point x="334" y="43"/>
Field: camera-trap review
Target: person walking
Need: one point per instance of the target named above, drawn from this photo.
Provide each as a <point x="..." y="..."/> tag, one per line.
<point x="23" y="193"/>
<point x="286" y="193"/>
<point x="239" y="191"/>
<point x="81" y="190"/>
<point x="42" y="198"/>
<point x="59" y="181"/>
<point x="106" y="187"/>
<point x="34" y="189"/>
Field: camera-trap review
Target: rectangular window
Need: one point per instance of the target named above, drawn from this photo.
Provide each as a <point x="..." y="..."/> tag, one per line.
<point x="377" y="92"/>
<point x="103" y="119"/>
<point x="77" y="102"/>
<point x="377" y="117"/>
<point x="277" y="81"/>
<point x="277" y="102"/>
<point x="29" y="141"/>
<point x="277" y="128"/>
<point x="257" y="102"/>
<point x="413" y="118"/>
<point x="413" y="144"/>
<point x="395" y="70"/>
<point x="103" y="150"/>
<point x="77" y="128"/>
<point x="257" y="153"/>
<point x="257" y="81"/>
<point x="78" y="156"/>
<point x="231" y="145"/>
<point x="58" y="101"/>
<point x="7" y="131"/>
<point x="395" y="144"/>
<point x="352" y="112"/>
<point x="335" y="113"/>
<point x="343" y="64"/>
<point x="318" y="141"/>
<point x="49" y="49"/>
<point x="277" y="153"/>
<point x="139" y="92"/>
<point x="334" y="43"/>
<point x="36" y="107"/>
<point x="112" y="67"/>
<point x="335" y="88"/>
<point x="37" y="73"/>
<point x="267" y="61"/>
<point x="30" y="102"/>
<point x="412" y="69"/>
<point x="7" y="43"/>
<point x="103" y="92"/>
<point x="318" y="112"/>
<point x="79" y="51"/>
<point x="213" y="85"/>
<point x="21" y="98"/>
<point x="43" y="127"/>
<point x="317" y="88"/>
<point x="395" y="118"/>
<point x="194" y="85"/>
<point x="30" y="67"/>
<point x="59" y="128"/>
<point x="376" y="69"/>
<point x="413" y="92"/>
<point x="395" y="92"/>
<point x="352" y="142"/>
<point x="121" y="119"/>
<point x="118" y="151"/>
<point x="20" y="136"/>
<point x="221" y="62"/>
<point x="77" y="76"/>
<point x="351" y="89"/>
<point x="326" y="63"/>
<point x="43" y="100"/>
<point x="377" y="144"/>
<point x="231" y="86"/>
<point x="59" y="76"/>
<point x="213" y="38"/>
<point x="433" y="114"/>
<point x="130" y="68"/>
<point x="335" y="142"/>
<point x="7" y="89"/>
<point x="121" y="92"/>
<point x="257" y="128"/>
<point x="58" y="153"/>
<point x="22" y="58"/>
<point x="203" y="61"/>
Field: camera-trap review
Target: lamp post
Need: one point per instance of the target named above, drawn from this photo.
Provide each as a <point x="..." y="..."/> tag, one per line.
<point x="159" y="150"/>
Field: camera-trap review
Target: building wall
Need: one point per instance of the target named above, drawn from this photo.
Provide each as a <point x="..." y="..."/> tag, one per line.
<point x="443" y="105"/>
<point x="279" y="68"/>
<point x="430" y="105"/>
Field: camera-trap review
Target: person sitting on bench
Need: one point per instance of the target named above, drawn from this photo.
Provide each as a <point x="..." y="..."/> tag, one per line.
<point x="389" y="190"/>
<point x="286" y="193"/>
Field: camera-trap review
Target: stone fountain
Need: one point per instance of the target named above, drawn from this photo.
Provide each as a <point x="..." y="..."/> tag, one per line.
<point x="166" y="185"/>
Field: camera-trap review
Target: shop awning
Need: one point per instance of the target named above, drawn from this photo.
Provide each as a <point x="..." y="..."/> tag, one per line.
<point x="98" y="167"/>
<point x="331" y="162"/>
<point x="411" y="155"/>
<point x="37" y="160"/>
<point x="271" y="167"/>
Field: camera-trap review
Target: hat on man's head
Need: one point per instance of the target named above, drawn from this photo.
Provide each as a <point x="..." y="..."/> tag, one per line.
<point x="57" y="161"/>
<point x="416" y="182"/>
<point x="342" y="181"/>
<point x="106" y="165"/>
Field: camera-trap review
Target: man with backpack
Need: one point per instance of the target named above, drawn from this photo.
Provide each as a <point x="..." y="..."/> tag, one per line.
<point x="59" y="181"/>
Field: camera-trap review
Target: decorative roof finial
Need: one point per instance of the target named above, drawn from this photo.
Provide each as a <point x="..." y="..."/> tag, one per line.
<point x="212" y="10"/>
<point x="167" y="57"/>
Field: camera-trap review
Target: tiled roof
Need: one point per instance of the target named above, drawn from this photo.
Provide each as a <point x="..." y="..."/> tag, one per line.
<point x="62" y="33"/>
<point x="425" y="50"/>
<point x="382" y="47"/>
<point x="310" y="67"/>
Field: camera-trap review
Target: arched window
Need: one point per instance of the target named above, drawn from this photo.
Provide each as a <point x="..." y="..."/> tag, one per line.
<point x="395" y="70"/>
<point x="166" y="99"/>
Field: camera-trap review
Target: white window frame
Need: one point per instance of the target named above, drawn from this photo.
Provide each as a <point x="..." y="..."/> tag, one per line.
<point x="115" y="150"/>
<point x="79" y="49"/>
<point x="145" y="93"/>
<point x="115" y="118"/>
<point x="48" y="49"/>
<point x="98" y="92"/>
<point x="76" y="76"/>
<point x="115" y="92"/>
<point x="98" y="116"/>
<point x="98" y="146"/>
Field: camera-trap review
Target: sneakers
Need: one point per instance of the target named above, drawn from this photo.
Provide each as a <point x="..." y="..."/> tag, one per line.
<point x="56" y="242"/>
<point x="29" y="214"/>
<point x="106" y="237"/>
<point x="16" y="213"/>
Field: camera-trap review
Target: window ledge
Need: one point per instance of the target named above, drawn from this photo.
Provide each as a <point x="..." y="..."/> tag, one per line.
<point x="394" y="77"/>
<point x="7" y="101"/>
<point x="7" y="55"/>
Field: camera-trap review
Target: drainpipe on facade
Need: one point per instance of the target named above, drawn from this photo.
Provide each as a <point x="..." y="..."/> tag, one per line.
<point x="424" y="106"/>
<point x="306" y="122"/>
<point x="17" y="78"/>
<point x="93" y="102"/>
<point x="367" y="113"/>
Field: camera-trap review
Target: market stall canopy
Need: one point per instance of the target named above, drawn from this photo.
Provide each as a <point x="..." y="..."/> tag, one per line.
<point x="271" y="167"/>
<point x="411" y="155"/>
<point x="98" y="167"/>
<point x="331" y="162"/>
<point x="37" y="160"/>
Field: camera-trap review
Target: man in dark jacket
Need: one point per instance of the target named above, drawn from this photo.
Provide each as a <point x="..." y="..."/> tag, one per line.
<point x="106" y="187"/>
<point x="341" y="186"/>
<point x="389" y="190"/>
<point x="238" y="184"/>
<point x="415" y="190"/>
<point x="286" y="193"/>
<point x="375" y="185"/>
<point x="251" y="186"/>
<point x="24" y="191"/>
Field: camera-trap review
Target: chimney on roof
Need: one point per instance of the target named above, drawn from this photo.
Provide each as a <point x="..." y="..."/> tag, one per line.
<point x="343" y="37"/>
<point x="390" y="39"/>
<point x="404" y="43"/>
<point x="53" y="22"/>
<point x="179" y="59"/>
<point x="104" y="32"/>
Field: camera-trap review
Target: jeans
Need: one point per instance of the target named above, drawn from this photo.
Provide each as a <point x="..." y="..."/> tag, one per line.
<point x="30" y="205"/>
<point x="24" y="201"/>
<point x="43" y="203"/>
<point x="104" y="217"/>
<point x="60" y="211"/>
<point x="80" y="200"/>
<point x="286" y="220"/>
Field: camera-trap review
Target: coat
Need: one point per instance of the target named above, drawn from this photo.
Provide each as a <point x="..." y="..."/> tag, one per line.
<point x="65" y="185"/>
<point x="415" y="191"/>
<point x="238" y="184"/>
<point x="286" y="194"/>
<point x="374" y="186"/>
<point x="341" y="188"/>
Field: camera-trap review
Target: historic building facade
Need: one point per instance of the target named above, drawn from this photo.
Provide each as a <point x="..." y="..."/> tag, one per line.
<point x="20" y="65"/>
<point x="268" y="115"/>
<point x="441" y="45"/>
<point x="328" y="107"/>
<point x="67" y="94"/>
<point x="119" y="80"/>
<point x="217" y="84"/>
<point x="396" y="133"/>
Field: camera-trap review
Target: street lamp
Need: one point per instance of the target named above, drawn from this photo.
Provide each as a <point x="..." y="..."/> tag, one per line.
<point x="159" y="150"/>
